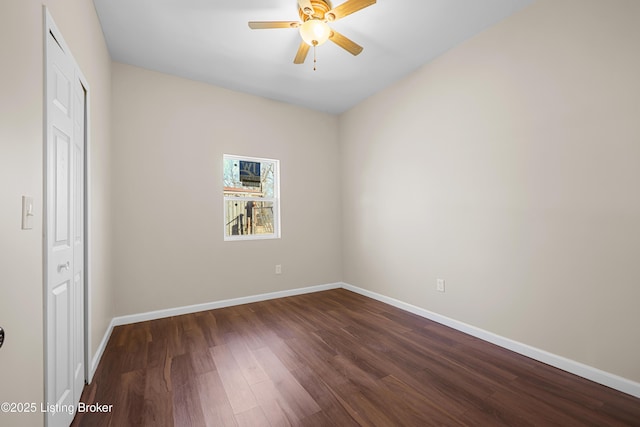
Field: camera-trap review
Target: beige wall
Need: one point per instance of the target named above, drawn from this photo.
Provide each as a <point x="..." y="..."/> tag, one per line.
<point x="510" y="168"/>
<point x="21" y="151"/>
<point x="169" y="136"/>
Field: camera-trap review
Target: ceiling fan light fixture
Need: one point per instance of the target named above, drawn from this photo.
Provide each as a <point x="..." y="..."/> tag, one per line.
<point x="315" y="32"/>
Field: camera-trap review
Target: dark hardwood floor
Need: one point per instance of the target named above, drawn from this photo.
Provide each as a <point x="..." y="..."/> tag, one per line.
<point x="332" y="358"/>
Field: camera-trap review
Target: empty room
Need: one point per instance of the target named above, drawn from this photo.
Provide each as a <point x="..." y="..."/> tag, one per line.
<point x="320" y="213"/>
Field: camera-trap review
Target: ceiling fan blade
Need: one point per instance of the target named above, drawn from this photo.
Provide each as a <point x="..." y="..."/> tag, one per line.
<point x="261" y="25"/>
<point x="347" y="8"/>
<point x="306" y="6"/>
<point x="345" y="43"/>
<point x="302" y="53"/>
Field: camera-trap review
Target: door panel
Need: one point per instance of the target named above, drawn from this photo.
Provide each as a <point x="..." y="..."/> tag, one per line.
<point x="62" y="178"/>
<point x="65" y="307"/>
<point x="61" y="89"/>
<point x="62" y="343"/>
<point x="59" y="220"/>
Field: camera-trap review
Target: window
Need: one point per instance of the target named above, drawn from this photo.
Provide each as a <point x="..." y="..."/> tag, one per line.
<point x="251" y="198"/>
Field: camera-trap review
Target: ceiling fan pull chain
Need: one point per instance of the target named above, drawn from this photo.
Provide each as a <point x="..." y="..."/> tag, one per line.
<point x="314" y="57"/>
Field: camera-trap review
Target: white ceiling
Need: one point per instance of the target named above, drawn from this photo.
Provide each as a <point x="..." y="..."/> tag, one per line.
<point x="210" y="41"/>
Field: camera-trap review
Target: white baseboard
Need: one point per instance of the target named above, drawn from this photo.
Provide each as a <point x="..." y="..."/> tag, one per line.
<point x="159" y="314"/>
<point x="585" y="371"/>
<point x="100" y="351"/>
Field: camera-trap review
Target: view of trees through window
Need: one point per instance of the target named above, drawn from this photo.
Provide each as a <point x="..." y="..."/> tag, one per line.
<point x="251" y="198"/>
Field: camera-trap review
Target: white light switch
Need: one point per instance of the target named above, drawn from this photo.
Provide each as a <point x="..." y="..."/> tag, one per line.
<point x="27" y="213"/>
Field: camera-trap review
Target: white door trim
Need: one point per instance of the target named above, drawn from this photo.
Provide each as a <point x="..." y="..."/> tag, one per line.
<point x="49" y="26"/>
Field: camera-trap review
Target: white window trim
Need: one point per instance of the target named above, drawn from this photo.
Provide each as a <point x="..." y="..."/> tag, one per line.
<point x="275" y="200"/>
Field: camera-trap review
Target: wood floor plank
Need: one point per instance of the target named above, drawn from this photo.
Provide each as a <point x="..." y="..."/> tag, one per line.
<point x="158" y="399"/>
<point x="531" y="408"/>
<point x="175" y="338"/>
<point x="193" y="337"/>
<point x="208" y="324"/>
<point x="274" y="405"/>
<point x="332" y="358"/>
<point x="295" y="396"/>
<point x="251" y="369"/>
<point x="253" y="417"/>
<point x="332" y="408"/>
<point x="413" y="408"/>
<point x="321" y="419"/>
<point x="346" y="346"/>
<point x="364" y="411"/>
<point x="202" y="361"/>
<point x="581" y="407"/>
<point x="157" y="352"/>
<point x="187" y="410"/>
<point x="130" y="401"/>
<point x="214" y="402"/>
<point x="290" y="358"/>
<point x="477" y="417"/>
<point x="235" y="385"/>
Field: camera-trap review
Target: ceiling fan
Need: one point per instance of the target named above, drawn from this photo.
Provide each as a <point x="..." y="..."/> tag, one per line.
<point x="314" y="28"/>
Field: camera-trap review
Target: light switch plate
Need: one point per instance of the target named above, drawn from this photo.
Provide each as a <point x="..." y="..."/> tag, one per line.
<point x="27" y="212"/>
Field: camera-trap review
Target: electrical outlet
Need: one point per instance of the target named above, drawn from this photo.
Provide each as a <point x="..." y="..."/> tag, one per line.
<point x="278" y="269"/>
<point x="440" y="285"/>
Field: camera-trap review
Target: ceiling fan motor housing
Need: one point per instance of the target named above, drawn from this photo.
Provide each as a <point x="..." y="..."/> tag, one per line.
<point x="320" y="9"/>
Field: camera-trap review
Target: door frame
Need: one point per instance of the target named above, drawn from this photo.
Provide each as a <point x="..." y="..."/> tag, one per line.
<point x="49" y="26"/>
